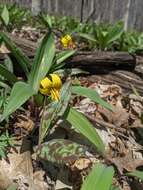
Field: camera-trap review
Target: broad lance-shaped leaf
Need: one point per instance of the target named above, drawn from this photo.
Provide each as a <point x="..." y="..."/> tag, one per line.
<point x="62" y="56"/>
<point x="100" y="178"/>
<point x="114" y="188"/>
<point x="5" y="15"/>
<point x="7" y="74"/>
<point x="20" y="93"/>
<point x="55" y="110"/>
<point x="81" y="123"/>
<point x="136" y="173"/>
<point x="115" y="32"/>
<point x="42" y="61"/>
<point x="45" y="20"/>
<point x="91" y="94"/>
<point x="22" y="60"/>
<point x="8" y="63"/>
<point x="87" y="37"/>
<point x="61" y="151"/>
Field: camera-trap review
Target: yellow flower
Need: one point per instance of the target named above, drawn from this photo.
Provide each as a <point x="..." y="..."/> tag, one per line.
<point x="51" y="86"/>
<point x="67" y="41"/>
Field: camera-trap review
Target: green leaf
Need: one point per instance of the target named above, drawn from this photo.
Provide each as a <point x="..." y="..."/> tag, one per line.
<point x="81" y="123"/>
<point x="42" y="61"/>
<point x="46" y="20"/>
<point x="100" y="178"/>
<point x="92" y="94"/>
<point x="71" y="71"/>
<point x="5" y="15"/>
<point x="22" y="60"/>
<point x="2" y="152"/>
<point x="100" y="37"/>
<point x="64" y="152"/>
<point x="115" y="32"/>
<point x="55" y="110"/>
<point x="87" y="37"/>
<point x="136" y="173"/>
<point x="20" y="93"/>
<point x="8" y="63"/>
<point x="7" y="75"/>
<point x="114" y="188"/>
<point x="62" y="56"/>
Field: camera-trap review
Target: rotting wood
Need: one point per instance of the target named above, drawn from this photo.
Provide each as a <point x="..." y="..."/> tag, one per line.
<point x="27" y="46"/>
<point x="100" y="61"/>
<point x="92" y="61"/>
<point x="124" y="79"/>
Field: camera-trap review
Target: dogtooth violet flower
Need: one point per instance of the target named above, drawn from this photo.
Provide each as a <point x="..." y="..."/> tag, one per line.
<point x="67" y="41"/>
<point x="51" y="86"/>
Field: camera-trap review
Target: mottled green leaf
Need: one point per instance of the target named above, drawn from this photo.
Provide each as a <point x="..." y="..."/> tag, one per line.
<point x="55" y="110"/>
<point x="61" y="151"/>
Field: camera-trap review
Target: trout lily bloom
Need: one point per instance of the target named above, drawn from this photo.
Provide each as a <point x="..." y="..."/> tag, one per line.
<point x="50" y="86"/>
<point x="67" y="41"/>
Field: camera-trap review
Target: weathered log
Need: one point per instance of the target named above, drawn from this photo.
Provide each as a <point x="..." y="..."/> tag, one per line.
<point x="27" y="46"/>
<point x="92" y="61"/>
<point x="125" y="79"/>
<point x="99" y="62"/>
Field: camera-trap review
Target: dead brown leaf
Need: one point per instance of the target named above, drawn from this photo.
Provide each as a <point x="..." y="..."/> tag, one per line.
<point x="128" y="163"/>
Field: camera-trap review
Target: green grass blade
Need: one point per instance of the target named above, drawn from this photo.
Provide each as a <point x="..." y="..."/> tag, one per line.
<point x="100" y="178"/>
<point x="42" y="61"/>
<point x="92" y="94"/>
<point x="81" y="123"/>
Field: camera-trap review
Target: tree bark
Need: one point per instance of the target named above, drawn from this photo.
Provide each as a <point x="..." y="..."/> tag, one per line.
<point x="102" y="61"/>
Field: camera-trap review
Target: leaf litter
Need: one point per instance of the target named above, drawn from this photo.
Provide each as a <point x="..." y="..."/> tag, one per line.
<point x="121" y="131"/>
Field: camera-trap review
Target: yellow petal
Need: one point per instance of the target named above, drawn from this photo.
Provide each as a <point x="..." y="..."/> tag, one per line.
<point x="46" y="83"/>
<point x="44" y="91"/>
<point x="56" y="81"/>
<point x="66" y="40"/>
<point x="68" y="37"/>
<point x="55" y="94"/>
